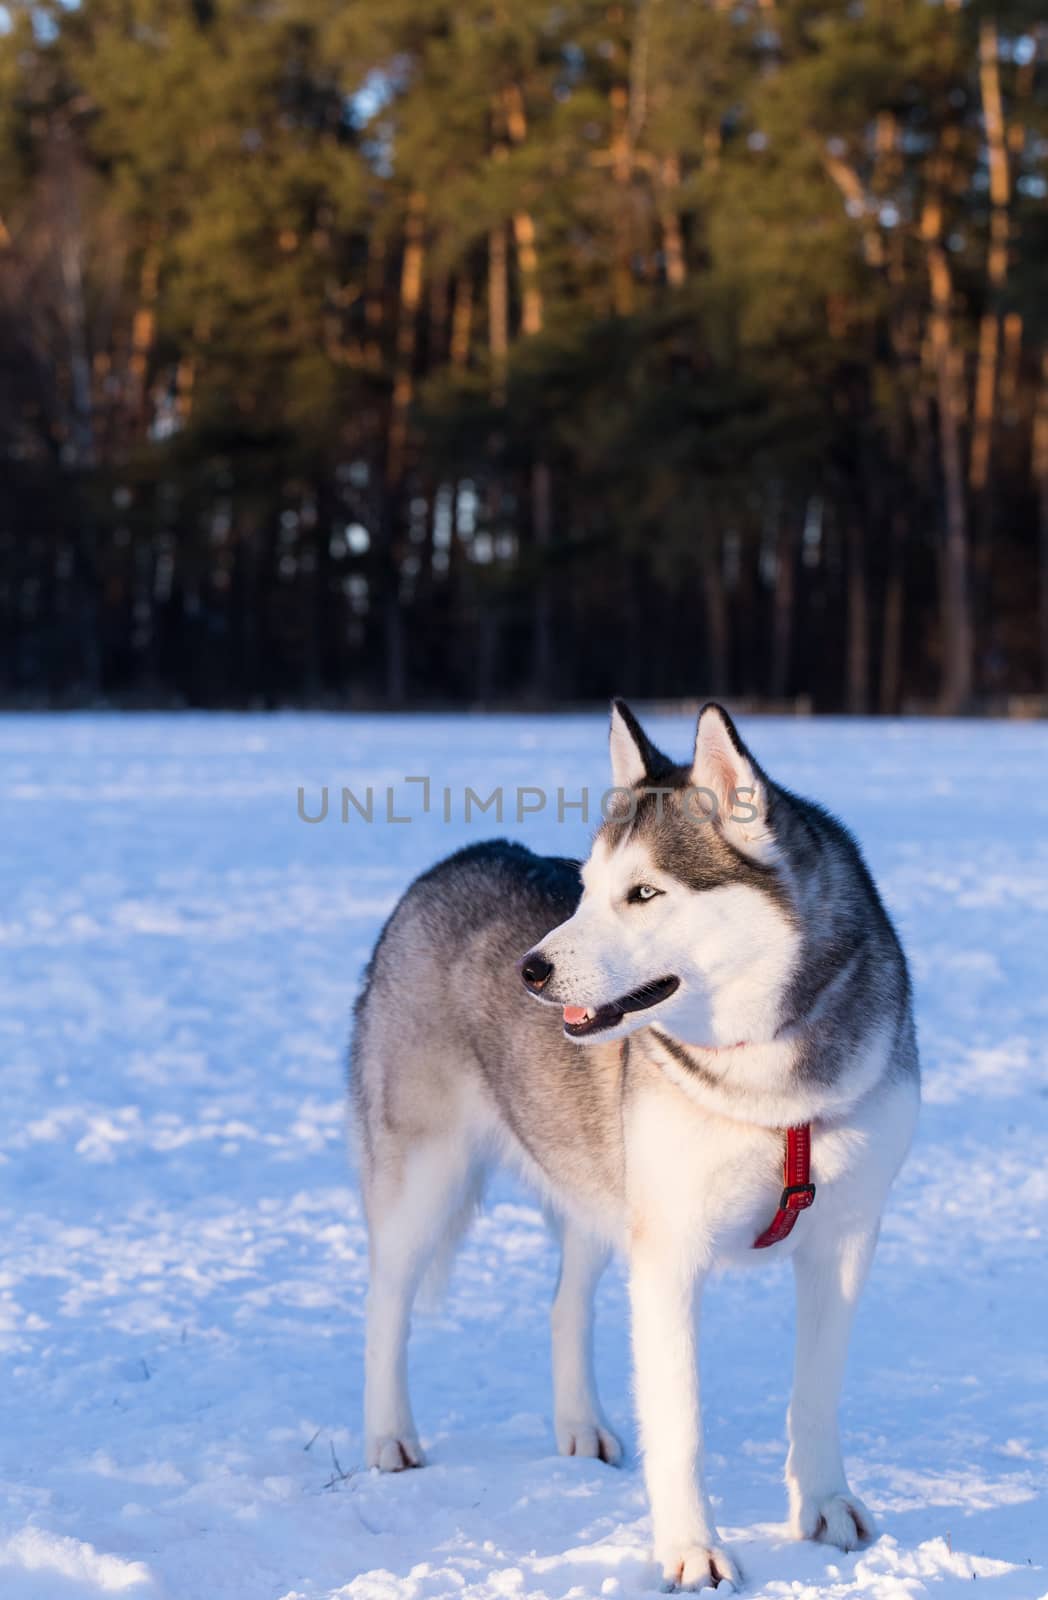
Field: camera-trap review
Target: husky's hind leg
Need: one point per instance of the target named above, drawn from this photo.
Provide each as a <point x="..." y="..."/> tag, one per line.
<point x="579" y="1421"/>
<point x="413" y="1206"/>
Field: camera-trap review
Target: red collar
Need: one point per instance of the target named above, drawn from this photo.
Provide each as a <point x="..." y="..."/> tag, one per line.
<point x="798" y="1189"/>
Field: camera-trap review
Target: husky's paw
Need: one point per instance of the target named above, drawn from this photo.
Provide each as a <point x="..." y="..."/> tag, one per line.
<point x="840" y="1519"/>
<point x="592" y="1439"/>
<point x="700" y="1566"/>
<point x="393" y="1455"/>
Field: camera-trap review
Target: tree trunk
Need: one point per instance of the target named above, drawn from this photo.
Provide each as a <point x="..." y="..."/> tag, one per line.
<point x="1040" y="468"/>
<point x="143" y="336"/>
<point x="393" y="618"/>
<point x="748" y="640"/>
<point x="531" y="320"/>
<point x="70" y="251"/>
<point x="245" y="600"/>
<point x="498" y="313"/>
<point x="858" y="620"/>
<point x="313" y="561"/>
<point x="985" y="402"/>
<point x="1011" y="362"/>
<point x="185" y="381"/>
<point x="487" y="657"/>
<point x="997" y="256"/>
<point x="986" y="381"/>
<point x="396" y="455"/>
<point x="672" y="237"/>
<point x="782" y="616"/>
<point x="461" y="321"/>
<point x="528" y="263"/>
<point x="623" y="296"/>
<point x="716" y="618"/>
<point x="542" y="527"/>
<point x="407" y="336"/>
<point x="524" y="223"/>
<point x="374" y="299"/>
<point x="891" y="634"/>
<point x="956" y="600"/>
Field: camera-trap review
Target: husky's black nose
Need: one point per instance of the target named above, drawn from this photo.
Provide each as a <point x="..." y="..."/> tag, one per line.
<point x="536" y="971"/>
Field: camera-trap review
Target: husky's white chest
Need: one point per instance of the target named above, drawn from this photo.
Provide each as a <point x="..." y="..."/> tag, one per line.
<point x="698" y="1179"/>
<point x="710" y="1186"/>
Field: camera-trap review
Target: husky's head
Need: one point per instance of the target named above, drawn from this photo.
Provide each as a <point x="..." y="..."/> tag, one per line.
<point x="685" y="918"/>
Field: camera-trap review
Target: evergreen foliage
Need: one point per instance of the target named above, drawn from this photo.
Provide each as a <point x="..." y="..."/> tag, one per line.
<point x="520" y="351"/>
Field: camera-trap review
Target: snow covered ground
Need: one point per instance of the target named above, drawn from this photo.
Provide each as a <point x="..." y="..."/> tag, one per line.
<point x="182" y="1265"/>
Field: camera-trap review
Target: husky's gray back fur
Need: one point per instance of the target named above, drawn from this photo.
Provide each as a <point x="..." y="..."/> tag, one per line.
<point x="443" y="1014"/>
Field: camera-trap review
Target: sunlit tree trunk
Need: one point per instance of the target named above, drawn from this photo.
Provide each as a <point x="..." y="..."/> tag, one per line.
<point x="997" y="256"/>
<point x="541" y="483"/>
<point x="403" y="394"/>
<point x="623" y="289"/>
<point x="524" y="224"/>
<point x="669" y="217"/>
<point x="498" y="312"/>
<point x="956" y="594"/>
<point x="407" y="336"/>
<point x="986" y="381"/>
<point x="143" y="335"/>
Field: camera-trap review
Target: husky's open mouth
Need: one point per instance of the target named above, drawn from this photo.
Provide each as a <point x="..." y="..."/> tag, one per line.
<point x="579" y="1021"/>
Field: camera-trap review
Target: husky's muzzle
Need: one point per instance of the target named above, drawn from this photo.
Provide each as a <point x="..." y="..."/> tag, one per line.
<point x="609" y="1016"/>
<point x="580" y="1021"/>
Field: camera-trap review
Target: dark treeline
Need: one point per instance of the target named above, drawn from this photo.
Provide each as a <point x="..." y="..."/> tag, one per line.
<point x="523" y="350"/>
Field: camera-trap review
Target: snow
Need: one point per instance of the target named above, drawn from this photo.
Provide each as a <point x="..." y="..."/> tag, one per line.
<point x="184" y="1264"/>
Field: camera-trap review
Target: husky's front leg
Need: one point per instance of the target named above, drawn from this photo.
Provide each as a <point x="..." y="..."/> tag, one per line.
<point x="830" y="1274"/>
<point x="664" y="1296"/>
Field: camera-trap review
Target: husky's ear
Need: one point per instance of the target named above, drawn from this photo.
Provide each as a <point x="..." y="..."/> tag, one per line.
<point x="633" y="756"/>
<point x="724" y="768"/>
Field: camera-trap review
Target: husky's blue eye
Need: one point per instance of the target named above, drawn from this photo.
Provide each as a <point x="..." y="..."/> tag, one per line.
<point x="641" y="892"/>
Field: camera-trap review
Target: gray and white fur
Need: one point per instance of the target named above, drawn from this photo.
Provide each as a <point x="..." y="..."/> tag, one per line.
<point x="721" y="968"/>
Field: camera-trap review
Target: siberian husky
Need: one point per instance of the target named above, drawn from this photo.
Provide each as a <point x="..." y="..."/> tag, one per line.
<point x="720" y="970"/>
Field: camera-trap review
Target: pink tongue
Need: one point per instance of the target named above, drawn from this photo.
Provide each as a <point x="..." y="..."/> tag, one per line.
<point x="574" y="1014"/>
